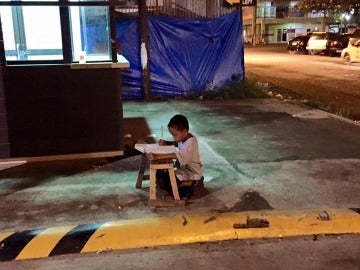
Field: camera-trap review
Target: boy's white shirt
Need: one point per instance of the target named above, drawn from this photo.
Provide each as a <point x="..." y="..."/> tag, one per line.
<point x="187" y="153"/>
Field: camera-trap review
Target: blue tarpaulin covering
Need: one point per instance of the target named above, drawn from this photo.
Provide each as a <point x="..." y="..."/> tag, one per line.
<point x="187" y="56"/>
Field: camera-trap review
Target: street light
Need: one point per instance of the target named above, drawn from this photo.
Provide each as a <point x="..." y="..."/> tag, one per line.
<point x="346" y="17"/>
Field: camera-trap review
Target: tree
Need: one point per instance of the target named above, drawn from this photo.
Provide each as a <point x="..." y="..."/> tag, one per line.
<point x="330" y="7"/>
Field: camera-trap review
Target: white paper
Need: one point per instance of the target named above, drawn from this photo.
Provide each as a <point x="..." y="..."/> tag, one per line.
<point x="155" y="148"/>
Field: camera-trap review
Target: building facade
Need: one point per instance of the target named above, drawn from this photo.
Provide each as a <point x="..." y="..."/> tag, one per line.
<point x="279" y="21"/>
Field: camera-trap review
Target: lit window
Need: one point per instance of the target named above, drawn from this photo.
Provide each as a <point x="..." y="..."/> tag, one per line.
<point x="34" y="33"/>
<point x="31" y="33"/>
<point x="8" y="33"/>
<point x="43" y="33"/>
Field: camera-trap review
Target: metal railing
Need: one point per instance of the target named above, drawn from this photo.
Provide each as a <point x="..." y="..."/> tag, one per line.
<point x="278" y="12"/>
<point x="180" y="8"/>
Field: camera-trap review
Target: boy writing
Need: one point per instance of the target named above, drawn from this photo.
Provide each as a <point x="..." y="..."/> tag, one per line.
<point x="188" y="167"/>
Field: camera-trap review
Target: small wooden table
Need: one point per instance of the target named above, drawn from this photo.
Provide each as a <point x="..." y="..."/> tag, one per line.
<point x="159" y="164"/>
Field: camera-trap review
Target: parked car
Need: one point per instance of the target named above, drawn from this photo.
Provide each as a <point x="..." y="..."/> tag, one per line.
<point x="351" y="54"/>
<point x="298" y="44"/>
<point x="319" y="42"/>
<point x="341" y="42"/>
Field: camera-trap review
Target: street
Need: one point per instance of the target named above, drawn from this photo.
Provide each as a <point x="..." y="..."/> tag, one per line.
<point x="257" y="154"/>
<point x="317" y="80"/>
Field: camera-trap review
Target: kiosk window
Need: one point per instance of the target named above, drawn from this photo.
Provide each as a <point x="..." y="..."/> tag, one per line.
<point x="90" y="33"/>
<point x="31" y="33"/>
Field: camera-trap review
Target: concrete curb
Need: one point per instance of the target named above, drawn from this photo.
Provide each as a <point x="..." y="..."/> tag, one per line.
<point x="183" y="229"/>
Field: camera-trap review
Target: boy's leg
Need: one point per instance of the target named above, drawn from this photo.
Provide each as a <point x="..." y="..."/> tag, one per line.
<point x="163" y="183"/>
<point x="190" y="188"/>
<point x="185" y="188"/>
<point x="163" y="180"/>
<point x="198" y="188"/>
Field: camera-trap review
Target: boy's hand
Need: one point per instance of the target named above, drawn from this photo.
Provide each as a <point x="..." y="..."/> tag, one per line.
<point x="161" y="142"/>
<point x="151" y="156"/>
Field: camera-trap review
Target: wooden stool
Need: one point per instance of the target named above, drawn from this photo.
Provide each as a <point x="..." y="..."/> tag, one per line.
<point x="162" y="164"/>
<point x="144" y="163"/>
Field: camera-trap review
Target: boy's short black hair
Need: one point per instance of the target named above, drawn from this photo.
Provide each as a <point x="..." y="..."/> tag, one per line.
<point x="179" y="122"/>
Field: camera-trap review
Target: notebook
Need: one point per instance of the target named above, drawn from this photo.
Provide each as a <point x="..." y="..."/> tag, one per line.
<point x="155" y="148"/>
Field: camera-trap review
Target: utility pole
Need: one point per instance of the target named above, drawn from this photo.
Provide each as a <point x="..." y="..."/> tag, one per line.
<point x="253" y="24"/>
<point x="144" y="50"/>
<point x="241" y="23"/>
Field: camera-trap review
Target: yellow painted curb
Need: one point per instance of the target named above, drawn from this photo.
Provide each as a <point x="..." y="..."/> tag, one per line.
<point x="5" y="235"/>
<point x="221" y="226"/>
<point x="42" y="245"/>
<point x="182" y="229"/>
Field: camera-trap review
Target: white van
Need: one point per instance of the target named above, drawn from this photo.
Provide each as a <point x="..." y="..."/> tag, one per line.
<point x="351" y="54"/>
<point x="320" y="42"/>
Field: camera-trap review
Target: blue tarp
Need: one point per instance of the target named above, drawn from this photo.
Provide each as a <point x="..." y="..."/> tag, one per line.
<point x="187" y="56"/>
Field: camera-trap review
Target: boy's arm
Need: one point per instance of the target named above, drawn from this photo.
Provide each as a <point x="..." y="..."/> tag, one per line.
<point x="163" y="142"/>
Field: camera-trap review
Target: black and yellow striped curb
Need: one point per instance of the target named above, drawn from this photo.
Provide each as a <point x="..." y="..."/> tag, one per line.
<point x="182" y="229"/>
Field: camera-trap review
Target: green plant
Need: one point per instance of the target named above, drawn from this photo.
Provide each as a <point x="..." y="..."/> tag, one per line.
<point x="239" y="89"/>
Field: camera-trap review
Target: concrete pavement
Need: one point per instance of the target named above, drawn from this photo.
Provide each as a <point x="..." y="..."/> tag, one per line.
<point x="265" y="155"/>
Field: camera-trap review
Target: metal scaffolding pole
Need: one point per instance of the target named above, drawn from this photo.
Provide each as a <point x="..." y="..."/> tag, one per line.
<point x="143" y="24"/>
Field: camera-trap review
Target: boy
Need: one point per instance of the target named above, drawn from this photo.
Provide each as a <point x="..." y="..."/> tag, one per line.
<point x="188" y="168"/>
